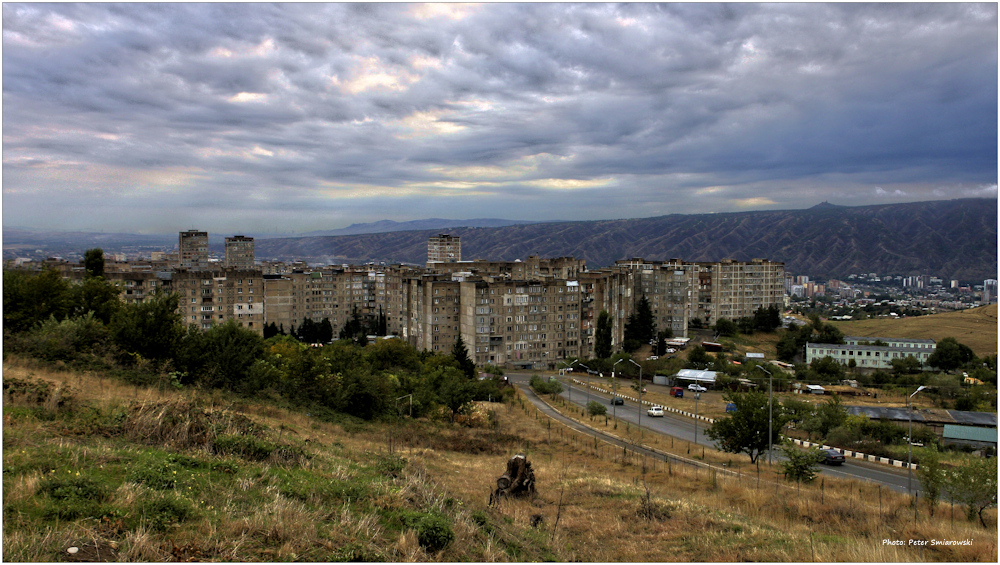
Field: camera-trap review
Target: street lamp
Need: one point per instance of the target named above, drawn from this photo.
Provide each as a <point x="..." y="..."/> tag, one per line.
<point x="640" y="397"/>
<point x="588" y="381"/>
<point x="569" y="387"/>
<point x="909" y="442"/>
<point x="614" y="389"/>
<point x="697" y="396"/>
<point x="770" y="410"/>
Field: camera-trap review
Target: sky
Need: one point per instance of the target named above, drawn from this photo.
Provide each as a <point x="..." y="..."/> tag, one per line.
<point x="253" y="118"/>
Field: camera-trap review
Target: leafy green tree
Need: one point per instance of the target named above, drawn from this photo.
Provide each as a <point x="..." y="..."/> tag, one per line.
<point x="932" y="476"/>
<point x="829" y="333"/>
<point x="461" y="354"/>
<point x="602" y="335"/>
<point x="949" y="355"/>
<point x="974" y="484"/>
<point x="698" y="358"/>
<point x="221" y="356"/>
<point x="745" y="430"/>
<point x="392" y="355"/>
<point x="93" y="262"/>
<point x="595" y="408"/>
<point x="726" y="327"/>
<point x="745" y="325"/>
<point x="640" y="328"/>
<point x="363" y="394"/>
<point x="151" y="328"/>
<point x="827" y="368"/>
<point x="827" y="416"/>
<point x="905" y="366"/>
<point x="787" y="346"/>
<point x="800" y="465"/>
<point x="324" y="331"/>
<point x="30" y="299"/>
<point x="95" y="295"/>
<point x="767" y="319"/>
<point x="447" y="386"/>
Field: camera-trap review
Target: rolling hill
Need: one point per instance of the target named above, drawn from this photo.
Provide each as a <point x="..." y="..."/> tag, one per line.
<point x="953" y="239"/>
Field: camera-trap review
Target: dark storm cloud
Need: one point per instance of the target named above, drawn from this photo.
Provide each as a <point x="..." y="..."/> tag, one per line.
<point x="326" y="114"/>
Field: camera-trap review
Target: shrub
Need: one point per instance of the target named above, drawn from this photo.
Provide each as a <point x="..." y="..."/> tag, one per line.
<point x="80" y="488"/>
<point x="159" y="513"/>
<point x="434" y="532"/>
<point x="159" y="475"/>
<point x="595" y="408"/>
<point x="246" y="447"/>
<point x="73" y="498"/>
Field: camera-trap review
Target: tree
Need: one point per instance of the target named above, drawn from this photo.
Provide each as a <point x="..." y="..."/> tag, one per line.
<point x="95" y="295"/>
<point x="602" y="336"/>
<point x="931" y="475"/>
<point x="151" y="328"/>
<point x="461" y="354"/>
<point x="828" y="333"/>
<point x="974" y="484"/>
<point x="324" y="331"/>
<point x="827" y="368"/>
<point x="93" y="262"/>
<point x="787" y="347"/>
<point x="221" y="356"/>
<point x="595" y="408"/>
<point x="831" y="414"/>
<point x="745" y="430"/>
<point x="906" y="366"/>
<point x="698" y="358"/>
<point x="949" y="355"/>
<point x="800" y="464"/>
<point x="30" y="299"/>
<point x="726" y="327"/>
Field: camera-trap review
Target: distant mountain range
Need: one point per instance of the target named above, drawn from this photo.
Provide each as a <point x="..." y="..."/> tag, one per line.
<point x="953" y="239"/>
<point x="385" y="226"/>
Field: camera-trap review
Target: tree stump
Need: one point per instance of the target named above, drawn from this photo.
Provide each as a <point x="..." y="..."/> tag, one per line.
<point x="518" y="481"/>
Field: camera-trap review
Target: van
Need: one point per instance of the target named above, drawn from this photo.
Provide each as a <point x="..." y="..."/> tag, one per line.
<point x="677" y="391"/>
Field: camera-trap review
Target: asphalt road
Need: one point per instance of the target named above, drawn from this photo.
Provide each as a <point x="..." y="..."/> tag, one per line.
<point x="684" y="429"/>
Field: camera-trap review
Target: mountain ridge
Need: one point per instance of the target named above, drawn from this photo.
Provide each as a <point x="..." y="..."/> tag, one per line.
<point x="955" y="239"/>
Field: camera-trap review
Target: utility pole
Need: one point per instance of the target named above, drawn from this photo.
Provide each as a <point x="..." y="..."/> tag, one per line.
<point x="770" y="410"/>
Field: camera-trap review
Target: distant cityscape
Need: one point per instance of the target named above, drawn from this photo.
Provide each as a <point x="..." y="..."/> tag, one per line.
<point x="530" y="313"/>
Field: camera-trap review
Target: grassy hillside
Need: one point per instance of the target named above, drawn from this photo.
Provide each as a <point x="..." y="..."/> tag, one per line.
<point x="136" y="474"/>
<point x="976" y="327"/>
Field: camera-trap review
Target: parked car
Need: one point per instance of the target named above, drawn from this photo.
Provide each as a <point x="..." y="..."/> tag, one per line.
<point x="677" y="391"/>
<point x="831" y="457"/>
<point x="655" y="411"/>
<point x="671" y="350"/>
<point x="696" y="388"/>
<point x="652" y="358"/>
<point x="617" y="400"/>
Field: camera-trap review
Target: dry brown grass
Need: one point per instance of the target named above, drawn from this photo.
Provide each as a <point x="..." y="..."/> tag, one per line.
<point x="976" y="327"/>
<point x="598" y="497"/>
<point x="733" y="520"/>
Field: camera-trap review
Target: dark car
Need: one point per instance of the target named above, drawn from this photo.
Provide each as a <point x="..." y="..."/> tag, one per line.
<point x="617" y="400"/>
<point x="831" y="457"/>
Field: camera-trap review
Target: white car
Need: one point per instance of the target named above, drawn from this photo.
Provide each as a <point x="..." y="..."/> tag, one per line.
<point x="655" y="411"/>
<point x="696" y="388"/>
<point x="652" y="358"/>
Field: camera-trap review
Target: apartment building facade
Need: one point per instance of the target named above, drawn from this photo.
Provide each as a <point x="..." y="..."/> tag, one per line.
<point x="530" y="313"/>
<point x="239" y="252"/>
<point x="443" y="248"/>
<point x="192" y="249"/>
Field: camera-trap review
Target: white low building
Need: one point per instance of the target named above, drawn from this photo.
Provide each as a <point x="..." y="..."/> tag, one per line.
<point x="866" y="355"/>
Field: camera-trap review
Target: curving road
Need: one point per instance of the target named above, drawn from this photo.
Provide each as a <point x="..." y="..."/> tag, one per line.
<point x="684" y="429"/>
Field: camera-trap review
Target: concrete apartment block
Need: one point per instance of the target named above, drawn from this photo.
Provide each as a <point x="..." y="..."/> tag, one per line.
<point x="192" y="250"/>
<point x="239" y="252"/>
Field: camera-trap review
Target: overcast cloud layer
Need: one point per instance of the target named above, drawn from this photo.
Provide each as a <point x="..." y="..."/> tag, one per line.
<point x="295" y="117"/>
